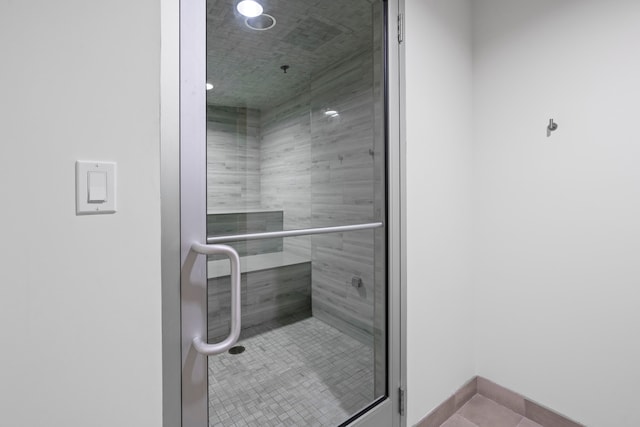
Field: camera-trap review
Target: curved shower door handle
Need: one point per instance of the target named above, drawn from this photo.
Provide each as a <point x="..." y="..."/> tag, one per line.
<point x="201" y="345"/>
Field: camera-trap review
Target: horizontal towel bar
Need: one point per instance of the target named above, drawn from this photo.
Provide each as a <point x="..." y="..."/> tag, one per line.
<point x="293" y="233"/>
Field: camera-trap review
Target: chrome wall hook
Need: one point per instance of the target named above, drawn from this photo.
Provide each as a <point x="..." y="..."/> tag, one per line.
<point x="552" y="126"/>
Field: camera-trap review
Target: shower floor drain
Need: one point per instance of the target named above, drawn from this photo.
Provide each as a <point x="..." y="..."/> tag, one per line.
<point x="236" y="349"/>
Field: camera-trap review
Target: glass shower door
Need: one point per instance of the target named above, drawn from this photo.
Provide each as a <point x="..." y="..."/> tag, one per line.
<point x="295" y="197"/>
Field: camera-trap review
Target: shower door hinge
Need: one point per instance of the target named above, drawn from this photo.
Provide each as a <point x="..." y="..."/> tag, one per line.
<point x="401" y="400"/>
<point x="400" y="28"/>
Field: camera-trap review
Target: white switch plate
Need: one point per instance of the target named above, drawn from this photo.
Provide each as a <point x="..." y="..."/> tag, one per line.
<point x="83" y="206"/>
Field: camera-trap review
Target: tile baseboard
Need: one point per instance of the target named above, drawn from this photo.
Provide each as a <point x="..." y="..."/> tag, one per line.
<point x="446" y="409"/>
<point x="501" y="395"/>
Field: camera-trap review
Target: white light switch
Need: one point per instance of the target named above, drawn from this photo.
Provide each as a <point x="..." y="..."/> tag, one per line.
<point x="95" y="187"/>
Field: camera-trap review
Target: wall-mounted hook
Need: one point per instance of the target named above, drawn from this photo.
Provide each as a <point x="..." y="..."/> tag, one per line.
<point x="356" y="282"/>
<point x="552" y="126"/>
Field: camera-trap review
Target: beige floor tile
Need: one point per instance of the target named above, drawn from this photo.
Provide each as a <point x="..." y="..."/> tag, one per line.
<point x="458" y="421"/>
<point x="528" y="423"/>
<point x="487" y="413"/>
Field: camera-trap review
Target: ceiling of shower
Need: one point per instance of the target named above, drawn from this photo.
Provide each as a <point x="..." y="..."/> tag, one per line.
<point x="309" y="36"/>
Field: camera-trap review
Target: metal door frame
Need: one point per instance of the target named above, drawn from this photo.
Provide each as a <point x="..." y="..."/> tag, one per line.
<point x="183" y="191"/>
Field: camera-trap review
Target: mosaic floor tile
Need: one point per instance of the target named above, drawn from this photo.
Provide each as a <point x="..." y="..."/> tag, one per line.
<point x="305" y="373"/>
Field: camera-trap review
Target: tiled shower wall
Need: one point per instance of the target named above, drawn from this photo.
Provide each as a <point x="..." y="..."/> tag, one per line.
<point x="343" y="183"/>
<point x="233" y="159"/>
<point x="285" y="167"/>
<point x="320" y="171"/>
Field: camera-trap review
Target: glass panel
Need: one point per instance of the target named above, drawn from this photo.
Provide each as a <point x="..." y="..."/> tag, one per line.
<point x="296" y="140"/>
<point x="308" y="354"/>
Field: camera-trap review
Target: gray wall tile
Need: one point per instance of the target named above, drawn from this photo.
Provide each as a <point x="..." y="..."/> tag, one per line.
<point x="266" y="295"/>
<point x="319" y="171"/>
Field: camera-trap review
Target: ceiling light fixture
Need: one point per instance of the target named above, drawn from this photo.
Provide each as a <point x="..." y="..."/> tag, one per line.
<point x="209" y="86"/>
<point x="261" y="23"/>
<point x="249" y="8"/>
<point x="330" y="113"/>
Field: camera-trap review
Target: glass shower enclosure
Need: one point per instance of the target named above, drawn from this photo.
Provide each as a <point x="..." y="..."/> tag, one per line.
<point x="294" y="216"/>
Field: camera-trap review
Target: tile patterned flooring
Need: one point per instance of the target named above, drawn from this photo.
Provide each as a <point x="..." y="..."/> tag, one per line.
<point x="302" y="373"/>
<point x="483" y="412"/>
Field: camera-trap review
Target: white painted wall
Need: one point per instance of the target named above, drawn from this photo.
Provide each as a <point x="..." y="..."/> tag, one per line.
<point x="557" y="220"/>
<point x="556" y="229"/>
<point x="438" y="171"/>
<point x="80" y="313"/>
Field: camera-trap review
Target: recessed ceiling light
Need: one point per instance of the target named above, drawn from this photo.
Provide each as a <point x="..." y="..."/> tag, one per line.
<point x="261" y="23"/>
<point x="331" y="113"/>
<point x="249" y="8"/>
<point x="209" y="86"/>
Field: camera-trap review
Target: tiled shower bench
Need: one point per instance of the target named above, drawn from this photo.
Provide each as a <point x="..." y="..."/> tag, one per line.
<point x="274" y="285"/>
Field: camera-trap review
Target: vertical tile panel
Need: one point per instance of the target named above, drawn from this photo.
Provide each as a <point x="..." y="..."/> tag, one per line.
<point x="285" y="162"/>
<point x="342" y="176"/>
<point x="233" y="159"/>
